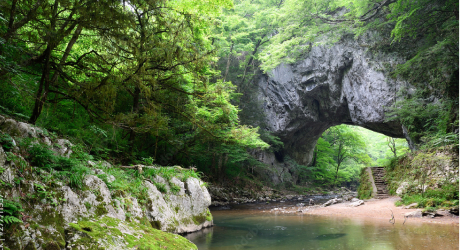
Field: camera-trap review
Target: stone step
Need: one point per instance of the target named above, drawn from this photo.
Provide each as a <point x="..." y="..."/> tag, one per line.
<point x="378" y="173"/>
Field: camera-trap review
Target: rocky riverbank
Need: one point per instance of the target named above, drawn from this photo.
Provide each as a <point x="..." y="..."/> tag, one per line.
<point x="223" y="196"/>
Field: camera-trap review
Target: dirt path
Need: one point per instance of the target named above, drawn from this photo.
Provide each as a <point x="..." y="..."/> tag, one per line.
<point x="379" y="210"/>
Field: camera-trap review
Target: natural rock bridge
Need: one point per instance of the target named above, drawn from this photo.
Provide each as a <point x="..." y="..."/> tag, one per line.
<point x="332" y="85"/>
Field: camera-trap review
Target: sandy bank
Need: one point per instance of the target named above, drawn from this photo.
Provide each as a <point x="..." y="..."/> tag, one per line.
<point x="378" y="210"/>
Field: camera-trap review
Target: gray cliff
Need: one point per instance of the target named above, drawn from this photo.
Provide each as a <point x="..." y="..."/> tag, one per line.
<point x="346" y="83"/>
<point x="54" y="213"/>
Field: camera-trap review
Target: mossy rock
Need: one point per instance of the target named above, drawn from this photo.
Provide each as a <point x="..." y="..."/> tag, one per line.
<point x="52" y="246"/>
<point x="110" y="233"/>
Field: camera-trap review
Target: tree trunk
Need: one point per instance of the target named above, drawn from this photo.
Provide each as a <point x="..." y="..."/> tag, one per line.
<point x="228" y="62"/>
<point x="43" y="88"/>
<point x="132" y="135"/>
<point x="337" y="174"/>
<point x="219" y="168"/>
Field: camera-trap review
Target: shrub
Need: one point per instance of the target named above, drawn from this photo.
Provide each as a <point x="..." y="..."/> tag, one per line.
<point x="40" y="155"/>
<point x="6" y="142"/>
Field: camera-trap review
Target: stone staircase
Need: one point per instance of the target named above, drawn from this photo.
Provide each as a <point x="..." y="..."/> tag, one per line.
<point x="379" y="180"/>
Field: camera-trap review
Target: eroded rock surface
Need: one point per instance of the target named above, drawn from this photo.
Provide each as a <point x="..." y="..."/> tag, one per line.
<point x="53" y="210"/>
<point x="341" y="84"/>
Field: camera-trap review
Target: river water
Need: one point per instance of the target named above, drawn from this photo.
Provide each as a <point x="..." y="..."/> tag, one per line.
<point x="251" y="227"/>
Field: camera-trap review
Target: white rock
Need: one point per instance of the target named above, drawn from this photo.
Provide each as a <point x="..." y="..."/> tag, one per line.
<point x="63" y="147"/>
<point x="7" y="175"/>
<point x="357" y="203"/>
<point x="414" y="214"/>
<point x="413" y="205"/>
<point x="402" y="188"/>
<point x="72" y="208"/>
<point x="94" y="183"/>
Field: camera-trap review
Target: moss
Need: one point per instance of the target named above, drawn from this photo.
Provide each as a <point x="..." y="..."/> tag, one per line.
<point x="100" y="198"/>
<point x="156" y="224"/>
<point x="143" y="237"/>
<point x="365" y="185"/>
<point x="88" y="205"/>
<point x="200" y="219"/>
<point x="101" y="210"/>
<point x="208" y="215"/>
<point x="52" y="246"/>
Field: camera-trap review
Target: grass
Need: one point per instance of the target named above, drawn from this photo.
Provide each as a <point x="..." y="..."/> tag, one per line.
<point x="445" y="197"/>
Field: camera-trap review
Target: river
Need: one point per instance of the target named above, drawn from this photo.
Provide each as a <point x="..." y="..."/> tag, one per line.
<point x="250" y="226"/>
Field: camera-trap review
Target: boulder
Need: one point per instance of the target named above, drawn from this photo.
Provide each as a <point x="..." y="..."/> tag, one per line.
<point x="356" y="203"/>
<point x="402" y="188"/>
<point x="454" y="210"/>
<point x="412" y="205"/>
<point x="443" y="212"/>
<point x="414" y="214"/>
<point x="63" y="147"/>
<point x="332" y="201"/>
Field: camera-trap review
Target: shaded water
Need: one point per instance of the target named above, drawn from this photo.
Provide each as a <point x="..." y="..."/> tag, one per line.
<point x="248" y="227"/>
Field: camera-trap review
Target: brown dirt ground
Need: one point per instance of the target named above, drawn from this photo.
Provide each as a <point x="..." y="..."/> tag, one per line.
<point x="378" y="209"/>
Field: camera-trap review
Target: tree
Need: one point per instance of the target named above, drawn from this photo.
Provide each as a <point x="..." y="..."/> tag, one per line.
<point x="346" y="144"/>
<point x="244" y="31"/>
<point x="391" y="142"/>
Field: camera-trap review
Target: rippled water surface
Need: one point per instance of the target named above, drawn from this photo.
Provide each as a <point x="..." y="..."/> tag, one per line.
<point x="248" y="227"/>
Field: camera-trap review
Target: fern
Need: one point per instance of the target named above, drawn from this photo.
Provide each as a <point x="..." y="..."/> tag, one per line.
<point x="11" y="211"/>
<point x="7" y="219"/>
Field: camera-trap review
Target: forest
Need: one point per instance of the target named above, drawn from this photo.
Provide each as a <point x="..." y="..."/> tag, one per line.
<point x="168" y="82"/>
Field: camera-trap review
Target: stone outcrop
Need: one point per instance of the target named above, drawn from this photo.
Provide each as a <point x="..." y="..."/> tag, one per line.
<point x="346" y="83"/>
<point x="54" y="213"/>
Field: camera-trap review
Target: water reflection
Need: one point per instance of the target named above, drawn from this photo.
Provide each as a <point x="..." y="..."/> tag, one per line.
<point x="329" y="236"/>
<point x="254" y="229"/>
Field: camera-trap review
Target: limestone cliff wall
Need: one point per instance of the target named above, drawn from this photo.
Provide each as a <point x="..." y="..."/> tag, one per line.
<point x="53" y="211"/>
<point x="343" y="83"/>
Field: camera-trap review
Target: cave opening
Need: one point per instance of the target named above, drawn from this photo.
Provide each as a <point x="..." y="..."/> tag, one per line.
<point x="343" y="150"/>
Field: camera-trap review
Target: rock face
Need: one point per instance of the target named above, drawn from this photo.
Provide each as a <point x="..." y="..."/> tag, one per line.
<point x="341" y="84"/>
<point x="53" y="212"/>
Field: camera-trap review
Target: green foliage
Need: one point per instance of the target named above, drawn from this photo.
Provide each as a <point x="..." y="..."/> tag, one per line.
<point x="161" y="187"/>
<point x="174" y="188"/>
<point x="40" y="155"/>
<point x="428" y="123"/>
<point x="17" y="160"/>
<point x="343" y="144"/>
<point x="11" y="212"/>
<point x="365" y="186"/>
<point x="6" y="141"/>
<point x="418" y="170"/>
